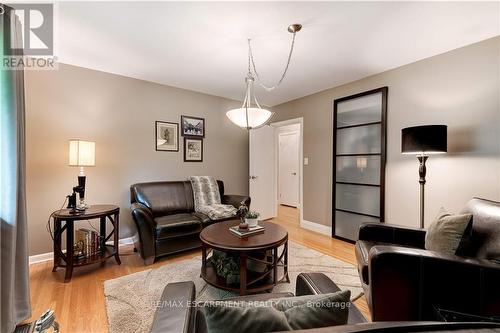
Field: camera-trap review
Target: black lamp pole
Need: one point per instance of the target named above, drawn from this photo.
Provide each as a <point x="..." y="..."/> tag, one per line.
<point x="421" y="172"/>
<point x="422" y="141"/>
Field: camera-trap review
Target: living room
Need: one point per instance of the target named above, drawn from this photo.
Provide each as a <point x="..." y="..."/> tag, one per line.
<point x="162" y="175"/>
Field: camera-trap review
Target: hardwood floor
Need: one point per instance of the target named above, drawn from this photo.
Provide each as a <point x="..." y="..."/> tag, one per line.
<point x="288" y="217"/>
<point x="80" y="305"/>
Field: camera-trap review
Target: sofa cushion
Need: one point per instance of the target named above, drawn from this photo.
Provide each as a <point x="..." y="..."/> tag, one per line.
<point x="164" y="198"/>
<point x="206" y="221"/>
<point x="446" y="232"/>
<point x="176" y="225"/>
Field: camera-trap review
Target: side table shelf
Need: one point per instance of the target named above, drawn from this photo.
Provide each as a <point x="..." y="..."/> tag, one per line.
<point x="64" y="222"/>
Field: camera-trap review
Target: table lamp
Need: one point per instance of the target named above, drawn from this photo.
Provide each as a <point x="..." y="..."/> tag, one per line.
<point x="424" y="141"/>
<point x="81" y="154"/>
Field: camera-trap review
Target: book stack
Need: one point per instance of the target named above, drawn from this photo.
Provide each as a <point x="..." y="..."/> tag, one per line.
<point x="87" y="243"/>
<point x="247" y="232"/>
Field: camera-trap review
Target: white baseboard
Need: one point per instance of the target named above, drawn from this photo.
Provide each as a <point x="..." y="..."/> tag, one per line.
<point x="41" y="257"/>
<point x="126" y="241"/>
<point x="37" y="258"/>
<point x="319" y="228"/>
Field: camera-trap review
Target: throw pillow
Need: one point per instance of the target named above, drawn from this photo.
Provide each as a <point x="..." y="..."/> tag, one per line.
<point x="446" y="232"/>
<point x="242" y="317"/>
<point x="329" y="310"/>
<point x="280" y="314"/>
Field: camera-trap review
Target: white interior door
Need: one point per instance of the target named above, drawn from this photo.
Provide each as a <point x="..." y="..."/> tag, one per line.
<point x="262" y="181"/>
<point x="288" y="169"/>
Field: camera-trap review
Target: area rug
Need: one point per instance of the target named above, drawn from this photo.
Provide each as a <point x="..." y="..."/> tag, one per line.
<point x="130" y="299"/>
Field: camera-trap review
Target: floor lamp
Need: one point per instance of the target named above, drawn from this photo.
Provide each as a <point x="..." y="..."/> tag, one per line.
<point x="424" y="141"/>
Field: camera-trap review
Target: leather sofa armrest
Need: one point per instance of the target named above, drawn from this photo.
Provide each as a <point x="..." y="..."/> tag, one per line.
<point x="236" y="200"/>
<point x="444" y="260"/>
<point x="381" y="232"/>
<point x="407" y="283"/>
<point x="144" y="213"/>
<point x="175" y="311"/>
<point x="319" y="283"/>
<point x="146" y="225"/>
<point x="314" y="284"/>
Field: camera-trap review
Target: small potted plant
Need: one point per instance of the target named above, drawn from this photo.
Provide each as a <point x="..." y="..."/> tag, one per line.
<point x="252" y="218"/>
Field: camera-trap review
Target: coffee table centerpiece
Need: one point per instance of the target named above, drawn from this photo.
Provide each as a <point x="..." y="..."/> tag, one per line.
<point x="268" y="251"/>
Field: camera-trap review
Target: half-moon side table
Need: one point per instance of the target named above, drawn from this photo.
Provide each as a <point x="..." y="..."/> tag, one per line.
<point x="64" y="221"/>
<point x="218" y="237"/>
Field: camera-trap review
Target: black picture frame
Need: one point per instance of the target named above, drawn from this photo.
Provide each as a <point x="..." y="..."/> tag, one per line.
<point x="187" y="141"/>
<point x="188" y="129"/>
<point x="173" y="125"/>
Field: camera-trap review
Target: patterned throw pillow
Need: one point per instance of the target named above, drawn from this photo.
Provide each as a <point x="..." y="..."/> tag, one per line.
<point x="447" y="231"/>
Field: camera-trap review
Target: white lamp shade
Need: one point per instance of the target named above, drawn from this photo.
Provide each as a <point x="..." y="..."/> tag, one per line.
<point x="256" y="117"/>
<point x="81" y="153"/>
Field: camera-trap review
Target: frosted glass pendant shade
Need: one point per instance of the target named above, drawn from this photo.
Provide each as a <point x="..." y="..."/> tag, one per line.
<point x="256" y="117"/>
<point x="250" y="115"/>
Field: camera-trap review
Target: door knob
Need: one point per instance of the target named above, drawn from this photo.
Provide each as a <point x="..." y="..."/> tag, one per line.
<point x="294" y="173"/>
<point x="253" y="177"/>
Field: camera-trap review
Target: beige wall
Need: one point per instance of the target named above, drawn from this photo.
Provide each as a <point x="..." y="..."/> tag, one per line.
<point x="119" y="114"/>
<point x="460" y="89"/>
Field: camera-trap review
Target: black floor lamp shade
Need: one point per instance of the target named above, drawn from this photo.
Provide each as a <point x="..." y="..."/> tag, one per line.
<point x="428" y="139"/>
<point x="424" y="140"/>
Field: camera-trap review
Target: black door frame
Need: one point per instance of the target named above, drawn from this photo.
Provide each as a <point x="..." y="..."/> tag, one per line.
<point x="383" y="152"/>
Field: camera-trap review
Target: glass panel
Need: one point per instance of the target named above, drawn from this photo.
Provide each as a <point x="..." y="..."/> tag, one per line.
<point x="361" y="110"/>
<point x="358" y="169"/>
<point x="347" y="225"/>
<point x="358" y="198"/>
<point x="359" y="140"/>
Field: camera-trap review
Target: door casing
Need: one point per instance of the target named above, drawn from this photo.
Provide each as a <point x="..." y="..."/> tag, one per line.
<point x="284" y="195"/>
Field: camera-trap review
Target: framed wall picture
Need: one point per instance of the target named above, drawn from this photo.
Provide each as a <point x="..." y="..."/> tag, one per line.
<point x="192" y="126"/>
<point x="193" y="150"/>
<point x="166" y="136"/>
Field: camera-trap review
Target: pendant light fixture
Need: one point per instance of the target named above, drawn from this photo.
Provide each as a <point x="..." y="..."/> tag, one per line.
<point x="251" y="114"/>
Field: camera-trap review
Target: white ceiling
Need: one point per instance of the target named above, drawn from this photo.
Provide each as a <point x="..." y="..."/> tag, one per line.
<point x="202" y="46"/>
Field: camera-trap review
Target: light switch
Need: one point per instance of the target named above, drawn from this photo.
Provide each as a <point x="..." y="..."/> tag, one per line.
<point x="306" y="160"/>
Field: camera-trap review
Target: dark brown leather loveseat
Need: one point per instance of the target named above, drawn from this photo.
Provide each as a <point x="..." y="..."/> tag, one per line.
<point x="179" y="313"/>
<point x="165" y="218"/>
<point x="403" y="281"/>
<point x="186" y="318"/>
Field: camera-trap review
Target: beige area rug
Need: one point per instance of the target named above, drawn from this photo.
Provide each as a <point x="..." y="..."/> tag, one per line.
<point x="130" y="299"/>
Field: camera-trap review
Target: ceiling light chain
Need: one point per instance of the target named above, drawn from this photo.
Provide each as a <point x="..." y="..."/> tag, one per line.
<point x="293" y="29"/>
<point x="248" y="116"/>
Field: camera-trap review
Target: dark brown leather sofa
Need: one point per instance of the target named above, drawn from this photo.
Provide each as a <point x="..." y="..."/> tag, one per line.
<point x="165" y="218"/>
<point x="404" y="282"/>
<point x="190" y="319"/>
<point x="179" y="313"/>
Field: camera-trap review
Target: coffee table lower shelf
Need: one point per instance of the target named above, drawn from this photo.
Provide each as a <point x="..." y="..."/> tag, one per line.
<point x="264" y="284"/>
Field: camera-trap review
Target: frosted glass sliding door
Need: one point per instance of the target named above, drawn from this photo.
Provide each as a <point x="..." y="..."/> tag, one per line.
<point x="359" y="143"/>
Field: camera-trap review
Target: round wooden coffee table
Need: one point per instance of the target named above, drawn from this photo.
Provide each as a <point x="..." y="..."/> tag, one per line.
<point x="218" y="237"/>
